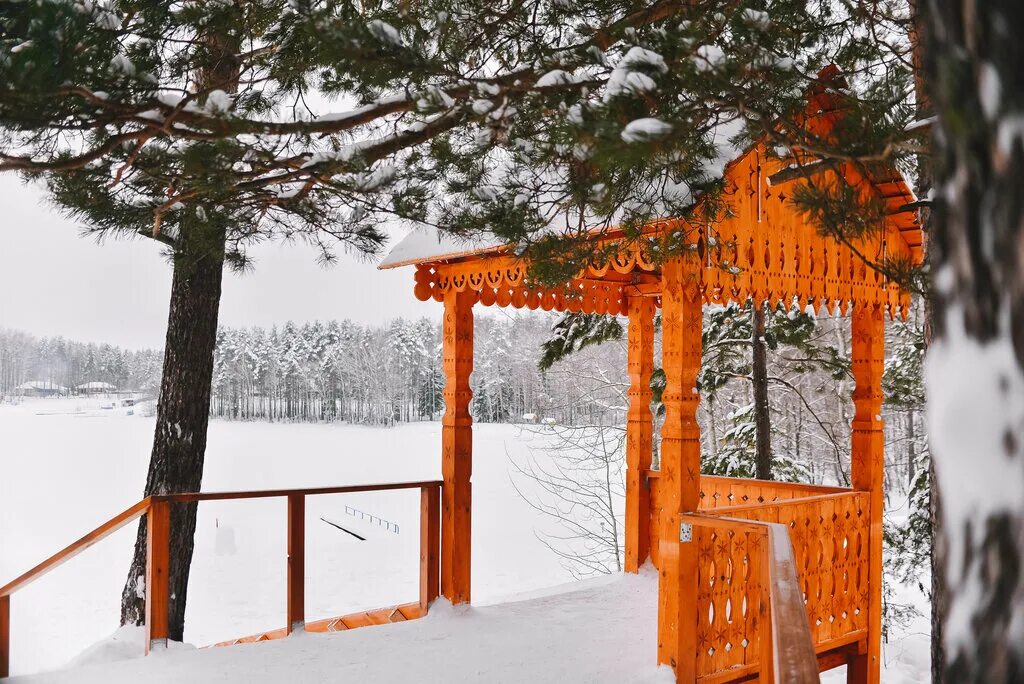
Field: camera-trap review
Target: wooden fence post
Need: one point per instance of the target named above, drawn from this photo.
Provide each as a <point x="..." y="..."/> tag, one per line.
<point x="639" y="432"/>
<point x="296" y="619"/>
<point x="679" y="485"/>
<point x="430" y="545"/>
<point x="457" y="447"/>
<point x="158" y="538"/>
<point x="5" y="636"/>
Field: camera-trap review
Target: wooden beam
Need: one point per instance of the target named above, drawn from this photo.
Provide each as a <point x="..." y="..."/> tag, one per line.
<point x="639" y="432"/>
<point x="5" y="636"/>
<point x="296" y="619"/>
<point x="430" y="545"/>
<point x="868" y="459"/>
<point x="679" y="484"/>
<point x="158" y="538"/>
<point x="310" y="491"/>
<point x="72" y="550"/>
<point x="457" y="447"/>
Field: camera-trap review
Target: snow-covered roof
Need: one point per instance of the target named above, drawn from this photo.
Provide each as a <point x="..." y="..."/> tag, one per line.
<point x="425" y="243"/>
<point x="41" y="385"/>
<point x="95" y="385"/>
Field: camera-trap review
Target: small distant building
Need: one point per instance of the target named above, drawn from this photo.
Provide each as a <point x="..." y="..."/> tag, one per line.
<point x="40" y="388"/>
<point x="95" y="388"/>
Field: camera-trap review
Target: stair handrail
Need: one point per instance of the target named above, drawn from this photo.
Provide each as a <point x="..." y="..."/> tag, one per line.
<point x="157" y="510"/>
<point x="788" y="645"/>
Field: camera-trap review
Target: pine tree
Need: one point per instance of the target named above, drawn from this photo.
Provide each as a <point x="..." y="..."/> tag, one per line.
<point x="194" y="124"/>
<point x="975" y="371"/>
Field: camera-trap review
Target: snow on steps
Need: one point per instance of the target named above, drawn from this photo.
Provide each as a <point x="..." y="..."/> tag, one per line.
<point x="600" y="630"/>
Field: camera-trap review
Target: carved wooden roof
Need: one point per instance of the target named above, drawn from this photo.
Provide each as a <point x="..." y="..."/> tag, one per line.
<point x="761" y="247"/>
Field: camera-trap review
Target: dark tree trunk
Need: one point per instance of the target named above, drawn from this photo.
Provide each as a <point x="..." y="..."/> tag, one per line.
<point x="759" y="376"/>
<point x="179" y="444"/>
<point x="918" y="33"/>
<point x="974" y="56"/>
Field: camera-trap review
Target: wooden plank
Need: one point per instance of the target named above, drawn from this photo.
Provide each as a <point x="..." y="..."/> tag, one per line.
<point x="313" y="491"/>
<point x="457" y="447"/>
<point x="5" y="636"/>
<point x="72" y="550"/>
<point x="430" y="545"/>
<point x="639" y="432"/>
<point x="795" y="661"/>
<point x="296" y="618"/>
<point x="158" y="537"/>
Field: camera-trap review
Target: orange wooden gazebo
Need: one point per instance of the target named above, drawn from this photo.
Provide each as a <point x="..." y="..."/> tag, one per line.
<point x="724" y="613"/>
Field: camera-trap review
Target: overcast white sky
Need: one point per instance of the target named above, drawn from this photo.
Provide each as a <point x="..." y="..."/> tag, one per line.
<point x="54" y="282"/>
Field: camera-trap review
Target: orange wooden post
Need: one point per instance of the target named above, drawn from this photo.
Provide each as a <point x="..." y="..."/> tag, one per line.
<point x="679" y="484"/>
<point x="296" y="564"/>
<point x="868" y="454"/>
<point x="457" y="446"/>
<point x="430" y="540"/>
<point x="5" y="636"/>
<point x="158" y="539"/>
<point x="639" y="432"/>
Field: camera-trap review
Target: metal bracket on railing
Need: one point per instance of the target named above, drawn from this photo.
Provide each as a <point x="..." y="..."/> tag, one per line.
<point x="685" y="532"/>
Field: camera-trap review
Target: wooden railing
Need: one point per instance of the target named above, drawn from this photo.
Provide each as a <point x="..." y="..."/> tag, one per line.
<point x="157" y="510"/>
<point x="754" y="559"/>
<point x="750" y="608"/>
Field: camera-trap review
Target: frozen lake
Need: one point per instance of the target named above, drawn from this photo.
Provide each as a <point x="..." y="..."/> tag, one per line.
<point x="69" y="466"/>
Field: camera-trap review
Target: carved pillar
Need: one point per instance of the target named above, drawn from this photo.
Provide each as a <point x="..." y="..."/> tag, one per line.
<point x="639" y="432"/>
<point x="679" y="485"/>
<point x="868" y="461"/>
<point x="457" y="447"/>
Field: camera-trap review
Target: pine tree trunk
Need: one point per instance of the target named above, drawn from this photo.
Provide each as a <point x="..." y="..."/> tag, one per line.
<point x="179" y="444"/>
<point x="976" y="361"/>
<point x="759" y="376"/>
<point x="918" y="34"/>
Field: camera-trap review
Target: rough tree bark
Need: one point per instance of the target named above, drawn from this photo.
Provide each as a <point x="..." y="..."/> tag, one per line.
<point x="759" y="377"/>
<point x="918" y="31"/>
<point x="975" y="369"/>
<point x="183" y="407"/>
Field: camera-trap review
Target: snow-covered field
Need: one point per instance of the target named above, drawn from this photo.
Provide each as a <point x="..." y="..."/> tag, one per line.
<point x="68" y="466"/>
<point x="65" y="473"/>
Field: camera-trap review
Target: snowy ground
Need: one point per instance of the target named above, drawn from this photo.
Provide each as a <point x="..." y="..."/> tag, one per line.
<point x="68" y="466"/>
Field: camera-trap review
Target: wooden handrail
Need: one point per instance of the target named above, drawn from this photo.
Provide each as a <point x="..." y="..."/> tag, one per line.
<point x="271" y="493"/>
<point x="72" y="550"/>
<point x="787" y="645"/>
<point x="157" y="510"/>
<point x="794" y="657"/>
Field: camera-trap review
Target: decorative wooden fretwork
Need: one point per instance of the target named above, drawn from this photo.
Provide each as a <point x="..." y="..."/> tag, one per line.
<point x="761" y="247"/>
<point x="829" y="534"/>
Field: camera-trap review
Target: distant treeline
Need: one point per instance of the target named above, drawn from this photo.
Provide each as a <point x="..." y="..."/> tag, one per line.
<point x="59" y="361"/>
<point x="385" y="374"/>
<point x="343" y="371"/>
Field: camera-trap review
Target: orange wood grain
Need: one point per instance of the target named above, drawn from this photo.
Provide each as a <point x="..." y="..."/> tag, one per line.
<point x="679" y="482"/>
<point x="457" y="447"/>
<point x="158" y="527"/>
<point x="868" y="460"/>
<point x="430" y="545"/>
<point x="296" y="582"/>
<point x="639" y="432"/>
